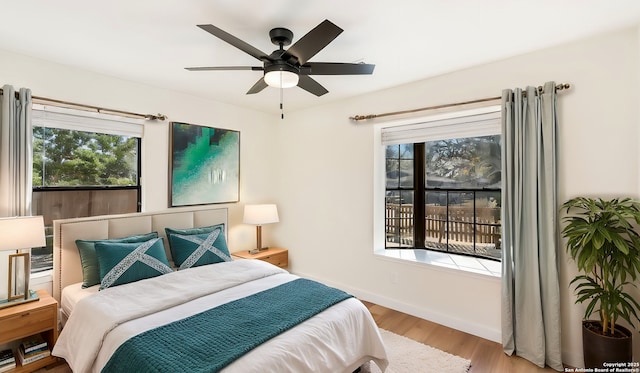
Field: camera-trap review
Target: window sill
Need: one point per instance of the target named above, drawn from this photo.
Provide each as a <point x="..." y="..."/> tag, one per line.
<point x="451" y="261"/>
<point x="41" y="277"/>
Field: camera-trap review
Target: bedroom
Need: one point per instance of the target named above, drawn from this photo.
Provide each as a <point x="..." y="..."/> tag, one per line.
<point x="597" y="155"/>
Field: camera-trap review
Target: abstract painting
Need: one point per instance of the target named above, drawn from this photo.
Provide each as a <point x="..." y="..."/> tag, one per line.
<point x="205" y="165"/>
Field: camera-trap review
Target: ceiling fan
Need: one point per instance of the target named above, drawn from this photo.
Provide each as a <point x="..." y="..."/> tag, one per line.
<point x="290" y="68"/>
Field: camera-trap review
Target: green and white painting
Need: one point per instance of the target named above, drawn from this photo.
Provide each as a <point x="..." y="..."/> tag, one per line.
<point x="204" y="165"/>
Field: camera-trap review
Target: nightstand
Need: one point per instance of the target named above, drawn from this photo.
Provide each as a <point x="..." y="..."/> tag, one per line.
<point x="27" y="319"/>
<point x="273" y="255"/>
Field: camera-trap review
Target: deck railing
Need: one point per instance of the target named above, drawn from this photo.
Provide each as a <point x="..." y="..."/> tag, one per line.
<point x="460" y="226"/>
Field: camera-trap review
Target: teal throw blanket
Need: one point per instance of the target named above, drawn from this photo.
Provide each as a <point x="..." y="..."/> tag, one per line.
<point x="213" y="339"/>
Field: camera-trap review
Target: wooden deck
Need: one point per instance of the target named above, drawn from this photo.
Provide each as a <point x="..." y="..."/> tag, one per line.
<point x="454" y="229"/>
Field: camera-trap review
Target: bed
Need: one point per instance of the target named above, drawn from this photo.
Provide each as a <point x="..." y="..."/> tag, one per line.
<point x="227" y="316"/>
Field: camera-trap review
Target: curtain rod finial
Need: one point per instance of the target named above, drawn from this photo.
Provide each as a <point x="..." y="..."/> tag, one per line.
<point x="155" y="117"/>
<point x="363" y="117"/>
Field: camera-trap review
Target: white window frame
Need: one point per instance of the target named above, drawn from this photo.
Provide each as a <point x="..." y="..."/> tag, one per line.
<point x="452" y="124"/>
<point x="88" y="121"/>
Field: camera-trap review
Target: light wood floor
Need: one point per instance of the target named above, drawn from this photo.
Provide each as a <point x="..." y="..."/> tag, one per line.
<point x="485" y="356"/>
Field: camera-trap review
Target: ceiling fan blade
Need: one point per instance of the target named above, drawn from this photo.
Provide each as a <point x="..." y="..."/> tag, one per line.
<point x="225" y="68"/>
<point x="336" y="68"/>
<point x="259" y="86"/>
<point x="243" y="46"/>
<point x="311" y="86"/>
<point x="316" y="39"/>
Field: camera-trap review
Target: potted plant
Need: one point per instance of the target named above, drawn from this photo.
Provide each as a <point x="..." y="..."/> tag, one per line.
<point x="602" y="239"/>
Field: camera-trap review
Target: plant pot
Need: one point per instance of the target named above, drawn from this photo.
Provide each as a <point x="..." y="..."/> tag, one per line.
<point x="599" y="349"/>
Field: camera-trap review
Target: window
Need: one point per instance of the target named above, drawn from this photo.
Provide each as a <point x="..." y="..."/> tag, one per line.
<point x="84" y="164"/>
<point x="442" y="188"/>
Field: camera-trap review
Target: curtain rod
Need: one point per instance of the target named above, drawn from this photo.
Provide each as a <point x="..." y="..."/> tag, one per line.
<point x="357" y="118"/>
<point x="98" y="109"/>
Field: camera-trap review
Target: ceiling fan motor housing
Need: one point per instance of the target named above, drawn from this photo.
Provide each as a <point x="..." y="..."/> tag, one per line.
<point x="281" y="36"/>
<point x="280" y="65"/>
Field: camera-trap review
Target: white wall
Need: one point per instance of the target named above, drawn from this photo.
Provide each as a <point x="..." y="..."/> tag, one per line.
<point x="66" y="83"/>
<point x="325" y="190"/>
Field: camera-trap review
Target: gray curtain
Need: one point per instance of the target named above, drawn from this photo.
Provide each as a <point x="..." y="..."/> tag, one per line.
<point x="16" y="145"/>
<point x="15" y="162"/>
<point x="530" y="290"/>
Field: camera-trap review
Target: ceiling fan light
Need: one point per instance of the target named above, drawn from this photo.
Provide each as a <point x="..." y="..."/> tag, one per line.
<point x="281" y="79"/>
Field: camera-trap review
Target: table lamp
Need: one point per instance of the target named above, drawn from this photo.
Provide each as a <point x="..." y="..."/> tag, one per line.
<point x="22" y="232"/>
<point x="259" y="215"/>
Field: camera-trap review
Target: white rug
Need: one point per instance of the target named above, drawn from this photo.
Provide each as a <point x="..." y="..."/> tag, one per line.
<point x="408" y="356"/>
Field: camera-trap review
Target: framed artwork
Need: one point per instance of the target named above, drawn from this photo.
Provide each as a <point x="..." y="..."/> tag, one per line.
<point x="205" y="165"/>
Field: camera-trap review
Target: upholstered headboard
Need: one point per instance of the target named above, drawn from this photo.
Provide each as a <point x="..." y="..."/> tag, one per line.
<point x="67" y="269"/>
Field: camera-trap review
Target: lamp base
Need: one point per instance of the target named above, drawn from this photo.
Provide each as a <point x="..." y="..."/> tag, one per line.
<point x="256" y="251"/>
<point x="33" y="296"/>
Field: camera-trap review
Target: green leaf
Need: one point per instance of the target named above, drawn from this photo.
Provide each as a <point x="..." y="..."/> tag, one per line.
<point x="598" y="240"/>
<point x="590" y="307"/>
<point x="621" y="244"/>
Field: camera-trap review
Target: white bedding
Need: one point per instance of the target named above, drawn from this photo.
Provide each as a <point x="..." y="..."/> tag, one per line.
<point x="71" y="295"/>
<point x="339" y="339"/>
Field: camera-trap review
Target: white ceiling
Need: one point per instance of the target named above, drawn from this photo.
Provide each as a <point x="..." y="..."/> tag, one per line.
<point x="151" y="41"/>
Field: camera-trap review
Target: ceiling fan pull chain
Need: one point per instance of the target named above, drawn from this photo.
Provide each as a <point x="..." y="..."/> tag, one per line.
<point x="281" y="99"/>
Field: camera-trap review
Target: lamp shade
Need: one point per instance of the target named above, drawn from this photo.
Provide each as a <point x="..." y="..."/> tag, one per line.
<point x="281" y="79"/>
<point x="260" y="214"/>
<point x="22" y="232"/>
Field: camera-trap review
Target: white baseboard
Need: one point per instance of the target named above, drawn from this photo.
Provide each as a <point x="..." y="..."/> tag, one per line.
<point x="427" y="314"/>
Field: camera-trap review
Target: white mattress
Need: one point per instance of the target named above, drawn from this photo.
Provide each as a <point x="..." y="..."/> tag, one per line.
<point x="338" y="339"/>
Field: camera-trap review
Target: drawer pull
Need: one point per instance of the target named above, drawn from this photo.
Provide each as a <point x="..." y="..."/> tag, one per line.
<point x="25" y="314"/>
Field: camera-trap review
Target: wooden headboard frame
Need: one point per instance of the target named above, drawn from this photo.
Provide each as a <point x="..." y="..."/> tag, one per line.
<point x="67" y="269"/>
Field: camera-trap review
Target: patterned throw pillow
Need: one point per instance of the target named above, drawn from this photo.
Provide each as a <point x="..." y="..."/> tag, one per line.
<point x="188" y="231"/>
<point x="89" y="260"/>
<point x="198" y="246"/>
<point x="122" y="262"/>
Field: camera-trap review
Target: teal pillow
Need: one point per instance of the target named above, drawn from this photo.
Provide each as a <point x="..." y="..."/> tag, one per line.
<point x="89" y="260"/>
<point x="198" y="246"/>
<point x="188" y="231"/>
<point x="125" y="262"/>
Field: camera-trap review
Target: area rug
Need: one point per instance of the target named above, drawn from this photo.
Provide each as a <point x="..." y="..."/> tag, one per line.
<point x="408" y="356"/>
